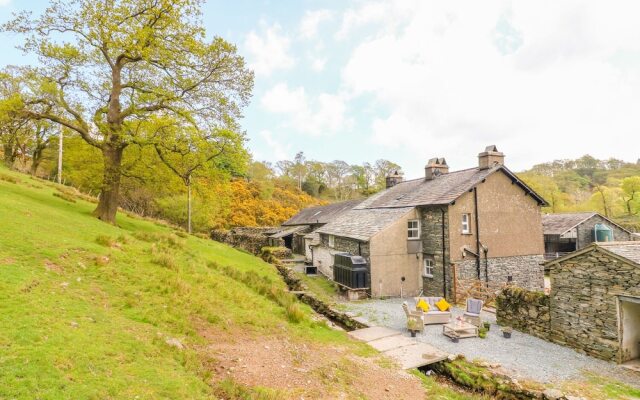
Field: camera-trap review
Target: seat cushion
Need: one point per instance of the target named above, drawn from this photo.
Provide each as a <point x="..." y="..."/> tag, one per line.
<point x="423" y="305"/>
<point x="443" y="305"/>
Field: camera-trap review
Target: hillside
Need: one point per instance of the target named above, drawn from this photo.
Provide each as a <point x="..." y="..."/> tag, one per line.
<point x="610" y="187"/>
<point x="90" y="310"/>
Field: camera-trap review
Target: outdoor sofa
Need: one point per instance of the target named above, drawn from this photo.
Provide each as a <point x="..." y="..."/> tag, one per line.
<point x="434" y="315"/>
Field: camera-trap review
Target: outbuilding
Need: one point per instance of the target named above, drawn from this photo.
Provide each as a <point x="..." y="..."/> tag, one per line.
<point x="595" y="301"/>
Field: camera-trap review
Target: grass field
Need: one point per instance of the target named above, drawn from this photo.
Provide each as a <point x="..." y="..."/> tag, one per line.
<point x="94" y="311"/>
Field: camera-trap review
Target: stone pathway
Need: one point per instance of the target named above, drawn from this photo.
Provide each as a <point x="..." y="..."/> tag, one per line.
<point x="407" y="352"/>
<point x="523" y="356"/>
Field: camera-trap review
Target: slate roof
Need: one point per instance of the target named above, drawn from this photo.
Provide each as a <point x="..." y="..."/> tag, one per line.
<point x="628" y="250"/>
<point x="558" y="224"/>
<point x="362" y="224"/>
<point x="321" y="214"/>
<point x="288" y="231"/>
<point x="442" y="190"/>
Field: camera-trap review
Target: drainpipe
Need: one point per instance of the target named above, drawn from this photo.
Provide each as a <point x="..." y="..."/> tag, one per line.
<point x="444" y="269"/>
<point x="475" y="205"/>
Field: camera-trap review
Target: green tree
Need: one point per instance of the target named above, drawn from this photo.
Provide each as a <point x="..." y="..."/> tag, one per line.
<point x="186" y="151"/>
<point x="113" y="70"/>
<point x="631" y="193"/>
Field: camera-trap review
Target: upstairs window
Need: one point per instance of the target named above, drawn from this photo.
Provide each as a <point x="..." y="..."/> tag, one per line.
<point x="413" y="229"/>
<point x="332" y="241"/>
<point x="466" y="223"/>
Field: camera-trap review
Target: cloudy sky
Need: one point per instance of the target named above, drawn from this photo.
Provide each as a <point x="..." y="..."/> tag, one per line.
<point x="410" y="80"/>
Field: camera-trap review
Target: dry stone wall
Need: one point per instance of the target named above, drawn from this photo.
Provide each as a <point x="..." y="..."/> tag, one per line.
<point x="524" y="310"/>
<point x="248" y="239"/>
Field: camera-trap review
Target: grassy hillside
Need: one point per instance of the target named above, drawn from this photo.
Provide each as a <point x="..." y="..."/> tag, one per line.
<point x="94" y="311"/>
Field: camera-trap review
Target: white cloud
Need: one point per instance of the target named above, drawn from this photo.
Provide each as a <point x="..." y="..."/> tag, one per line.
<point x="269" y="50"/>
<point x="315" y="116"/>
<point x="318" y="63"/>
<point x="4" y="3"/>
<point x="311" y="20"/>
<point x="452" y="77"/>
<point x="278" y="151"/>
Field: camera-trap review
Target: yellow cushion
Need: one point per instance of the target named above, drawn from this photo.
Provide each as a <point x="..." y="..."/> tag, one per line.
<point x="443" y="305"/>
<point x="423" y="305"/>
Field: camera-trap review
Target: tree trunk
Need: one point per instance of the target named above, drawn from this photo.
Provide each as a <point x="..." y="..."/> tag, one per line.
<point x="9" y="155"/>
<point x="35" y="162"/>
<point x="110" y="193"/>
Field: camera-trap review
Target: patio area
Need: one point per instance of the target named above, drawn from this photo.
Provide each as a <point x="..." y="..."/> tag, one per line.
<point x="522" y="356"/>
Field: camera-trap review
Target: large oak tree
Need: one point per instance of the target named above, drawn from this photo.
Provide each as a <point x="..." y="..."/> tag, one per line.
<point x="114" y="70"/>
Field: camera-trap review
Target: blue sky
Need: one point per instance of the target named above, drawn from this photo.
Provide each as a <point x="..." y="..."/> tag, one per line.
<point x="408" y="80"/>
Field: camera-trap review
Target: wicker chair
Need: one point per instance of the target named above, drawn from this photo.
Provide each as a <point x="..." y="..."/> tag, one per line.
<point x="472" y="313"/>
<point x="415" y="319"/>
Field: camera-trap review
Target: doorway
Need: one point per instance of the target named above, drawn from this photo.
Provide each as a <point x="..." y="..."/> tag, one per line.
<point x="629" y="327"/>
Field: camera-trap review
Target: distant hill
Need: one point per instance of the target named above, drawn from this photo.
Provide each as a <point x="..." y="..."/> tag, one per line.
<point x="611" y="187"/>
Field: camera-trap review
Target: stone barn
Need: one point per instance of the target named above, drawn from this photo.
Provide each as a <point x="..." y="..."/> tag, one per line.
<point x="595" y="301"/>
<point x="567" y="232"/>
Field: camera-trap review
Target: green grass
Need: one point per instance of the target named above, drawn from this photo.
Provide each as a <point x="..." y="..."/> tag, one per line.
<point x="86" y="307"/>
<point x="600" y="388"/>
<point x="439" y="390"/>
<point x="324" y="289"/>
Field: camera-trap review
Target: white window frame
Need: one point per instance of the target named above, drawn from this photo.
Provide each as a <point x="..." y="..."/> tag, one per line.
<point x="466" y="224"/>
<point x="332" y="241"/>
<point x="413" y="230"/>
<point x="427" y="267"/>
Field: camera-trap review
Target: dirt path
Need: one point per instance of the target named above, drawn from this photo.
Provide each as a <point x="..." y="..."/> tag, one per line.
<point x="308" y="371"/>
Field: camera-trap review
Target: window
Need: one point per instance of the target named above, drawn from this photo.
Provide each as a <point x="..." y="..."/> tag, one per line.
<point x="428" y="267"/>
<point x="413" y="229"/>
<point x="466" y="223"/>
<point x="332" y="241"/>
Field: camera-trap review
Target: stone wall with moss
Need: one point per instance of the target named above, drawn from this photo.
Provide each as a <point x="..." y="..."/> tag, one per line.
<point x="248" y="239"/>
<point x="524" y="310"/>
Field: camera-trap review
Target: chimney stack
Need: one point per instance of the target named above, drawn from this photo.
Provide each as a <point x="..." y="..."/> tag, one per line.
<point x="393" y="179"/>
<point x="435" y="167"/>
<point x="490" y="157"/>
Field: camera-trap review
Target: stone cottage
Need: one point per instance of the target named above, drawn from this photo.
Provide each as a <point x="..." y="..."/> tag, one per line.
<point x="483" y="222"/>
<point x="595" y="301"/>
<point x="567" y="232"/>
<point x="297" y="232"/>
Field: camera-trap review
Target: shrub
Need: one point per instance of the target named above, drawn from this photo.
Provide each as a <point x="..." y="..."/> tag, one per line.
<point x="9" y="178"/>
<point x="66" y="197"/>
<point x="105" y="240"/>
<point x="295" y="313"/>
<point x="164" y="260"/>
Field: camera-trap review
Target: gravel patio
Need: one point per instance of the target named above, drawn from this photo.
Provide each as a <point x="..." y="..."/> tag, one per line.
<point x="523" y="356"/>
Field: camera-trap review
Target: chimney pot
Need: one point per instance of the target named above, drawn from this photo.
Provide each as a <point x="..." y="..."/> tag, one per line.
<point x="435" y="167"/>
<point x="393" y="179"/>
<point x="490" y="157"/>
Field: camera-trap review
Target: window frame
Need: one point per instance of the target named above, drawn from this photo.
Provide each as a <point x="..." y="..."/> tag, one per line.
<point x="466" y="225"/>
<point x="411" y="230"/>
<point x="332" y="241"/>
<point x="426" y="268"/>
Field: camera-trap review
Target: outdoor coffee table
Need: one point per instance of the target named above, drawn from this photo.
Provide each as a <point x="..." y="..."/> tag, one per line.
<point x="459" y="330"/>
